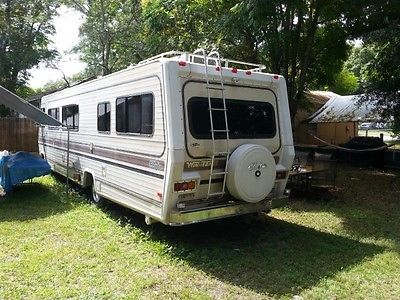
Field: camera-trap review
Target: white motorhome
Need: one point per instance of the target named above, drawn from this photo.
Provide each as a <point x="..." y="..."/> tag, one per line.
<point x="179" y="137"/>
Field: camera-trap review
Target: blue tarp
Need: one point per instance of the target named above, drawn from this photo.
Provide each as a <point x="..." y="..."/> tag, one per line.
<point x="18" y="167"/>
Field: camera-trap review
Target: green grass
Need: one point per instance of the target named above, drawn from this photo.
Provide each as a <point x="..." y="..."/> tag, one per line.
<point x="344" y="244"/>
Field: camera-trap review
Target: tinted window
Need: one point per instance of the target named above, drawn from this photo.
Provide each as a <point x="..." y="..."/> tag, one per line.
<point x="53" y="112"/>
<point x="103" y="116"/>
<point x="246" y="119"/>
<point x="135" y="114"/>
<point x="70" y="116"/>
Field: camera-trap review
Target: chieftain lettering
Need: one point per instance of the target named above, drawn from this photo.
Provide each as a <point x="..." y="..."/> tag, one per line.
<point x="198" y="164"/>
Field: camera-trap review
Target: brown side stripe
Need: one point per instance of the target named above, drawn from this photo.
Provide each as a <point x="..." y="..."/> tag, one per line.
<point x="111" y="154"/>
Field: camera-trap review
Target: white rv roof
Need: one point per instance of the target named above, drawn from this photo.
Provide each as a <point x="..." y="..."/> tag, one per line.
<point x="189" y="58"/>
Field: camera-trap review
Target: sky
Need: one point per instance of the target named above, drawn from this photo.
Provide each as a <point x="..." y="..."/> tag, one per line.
<point x="66" y="37"/>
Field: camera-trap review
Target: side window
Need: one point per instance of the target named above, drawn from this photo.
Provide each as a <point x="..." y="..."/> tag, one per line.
<point x="70" y="116"/>
<point x="54" y="112"/>
<point x="135" y="114"/>
<point x="103" y="117"/>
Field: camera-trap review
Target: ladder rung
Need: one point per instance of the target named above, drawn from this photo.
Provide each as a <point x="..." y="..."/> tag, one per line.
<point x="221" y="153"/>
<point x="218" y="173"/>
<point x="219" y="130"/>
<point x="218" y="109"/>
<point x="216" y="194"/>
<point x="215" y="88"/>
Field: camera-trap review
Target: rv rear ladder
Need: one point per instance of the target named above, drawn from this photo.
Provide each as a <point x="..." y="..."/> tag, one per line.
<point x="216" y="155"/>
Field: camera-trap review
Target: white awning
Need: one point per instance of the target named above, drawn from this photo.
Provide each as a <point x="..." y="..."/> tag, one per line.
<point x="23" y="107"/>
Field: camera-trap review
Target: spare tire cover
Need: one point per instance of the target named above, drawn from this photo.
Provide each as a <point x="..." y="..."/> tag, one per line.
<point x="251" y="173"/>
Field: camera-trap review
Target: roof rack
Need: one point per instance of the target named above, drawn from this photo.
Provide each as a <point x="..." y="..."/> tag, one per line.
<point x="198" y="57"/>
<point x="162" y="55"/>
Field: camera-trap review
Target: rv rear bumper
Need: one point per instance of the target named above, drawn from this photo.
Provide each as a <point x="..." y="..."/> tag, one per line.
<point x="178" y="218"/>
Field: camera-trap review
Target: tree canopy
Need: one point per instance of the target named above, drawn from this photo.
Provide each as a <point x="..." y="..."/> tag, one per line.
<point x="304" y="40"/>
<point x="25" y="27"/>
<point x="381" y="80"/>
<point x="109" y="34"/>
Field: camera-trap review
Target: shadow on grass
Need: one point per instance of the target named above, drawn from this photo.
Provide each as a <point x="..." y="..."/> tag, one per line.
<point x="260" y="253"/>
<point x="31" y="201"/>
<point x="366" y="200"/>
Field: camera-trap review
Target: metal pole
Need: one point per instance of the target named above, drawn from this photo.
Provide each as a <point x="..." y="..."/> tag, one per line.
<point x="67" y="160"/>
<point x="43" y="141"/>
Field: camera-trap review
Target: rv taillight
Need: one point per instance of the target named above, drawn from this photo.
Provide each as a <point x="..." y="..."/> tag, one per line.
<point x="182" y="63"/>
<point x="248" y="72"/>
<point x="184" y="186"/>
<point x="281" y="175"/>
<point x="234" y="70"/>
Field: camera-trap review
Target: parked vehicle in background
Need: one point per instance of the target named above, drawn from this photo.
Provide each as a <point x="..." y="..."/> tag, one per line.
<point x="367" y="125"/>
<point x="180" y="137"/>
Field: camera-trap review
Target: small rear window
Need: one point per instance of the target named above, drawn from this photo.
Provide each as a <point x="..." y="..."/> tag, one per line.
<point x="246" y="119"/>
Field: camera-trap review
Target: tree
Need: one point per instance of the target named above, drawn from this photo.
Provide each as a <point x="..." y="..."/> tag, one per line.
<point x="345" y="83"/>
<point x="180" y="25"/>
<point x="358" y="61"/>
<point x="382" y="79"/>
<point x="304" y="40"/>
<point x="62" y="83"/>
<point x="25" y="27"/>
<point x="109" y="34"/>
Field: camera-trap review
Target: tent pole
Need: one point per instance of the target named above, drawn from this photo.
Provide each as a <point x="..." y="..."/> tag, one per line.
<point x="67" y="160"/>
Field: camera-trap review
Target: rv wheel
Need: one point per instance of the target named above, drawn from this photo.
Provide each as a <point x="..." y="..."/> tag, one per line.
<point x="251" y="173"/>
<point x="96" y="198"/>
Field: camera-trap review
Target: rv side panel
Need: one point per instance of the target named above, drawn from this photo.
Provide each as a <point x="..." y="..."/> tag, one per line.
<point x="126" y="167"/>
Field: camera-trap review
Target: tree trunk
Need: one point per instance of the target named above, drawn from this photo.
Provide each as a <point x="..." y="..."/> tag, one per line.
<point x="305" y="59"/>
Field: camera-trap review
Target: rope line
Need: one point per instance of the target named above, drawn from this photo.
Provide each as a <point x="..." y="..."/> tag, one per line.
<point x="351" y="150"/>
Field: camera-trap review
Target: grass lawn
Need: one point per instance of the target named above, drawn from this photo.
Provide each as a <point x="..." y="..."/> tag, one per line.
<point x="344" y="244"/>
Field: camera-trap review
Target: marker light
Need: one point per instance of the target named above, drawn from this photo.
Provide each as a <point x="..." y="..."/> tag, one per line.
<point x="217" y="68"/>
<point x="276" y="77"/>
<point x="234" y="70"/>
<point x="182" y="63"/>
<point x="248" y="72"/>
<point x="184" y="186"/>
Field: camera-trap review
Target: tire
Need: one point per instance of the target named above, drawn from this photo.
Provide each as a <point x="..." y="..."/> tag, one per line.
<point x="95" y="197"/>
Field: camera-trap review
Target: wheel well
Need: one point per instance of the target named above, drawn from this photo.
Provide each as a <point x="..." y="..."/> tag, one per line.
<point x="87" y="179"/>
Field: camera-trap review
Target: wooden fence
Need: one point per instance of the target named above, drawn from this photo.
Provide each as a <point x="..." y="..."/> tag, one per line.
<point x="18" y="134"/>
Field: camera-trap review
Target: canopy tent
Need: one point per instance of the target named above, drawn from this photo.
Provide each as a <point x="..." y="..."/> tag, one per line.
<point x="23" y="107"/>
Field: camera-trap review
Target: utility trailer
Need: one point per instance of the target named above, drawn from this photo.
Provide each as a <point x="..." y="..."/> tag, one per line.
<point x="179" y="137"/>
